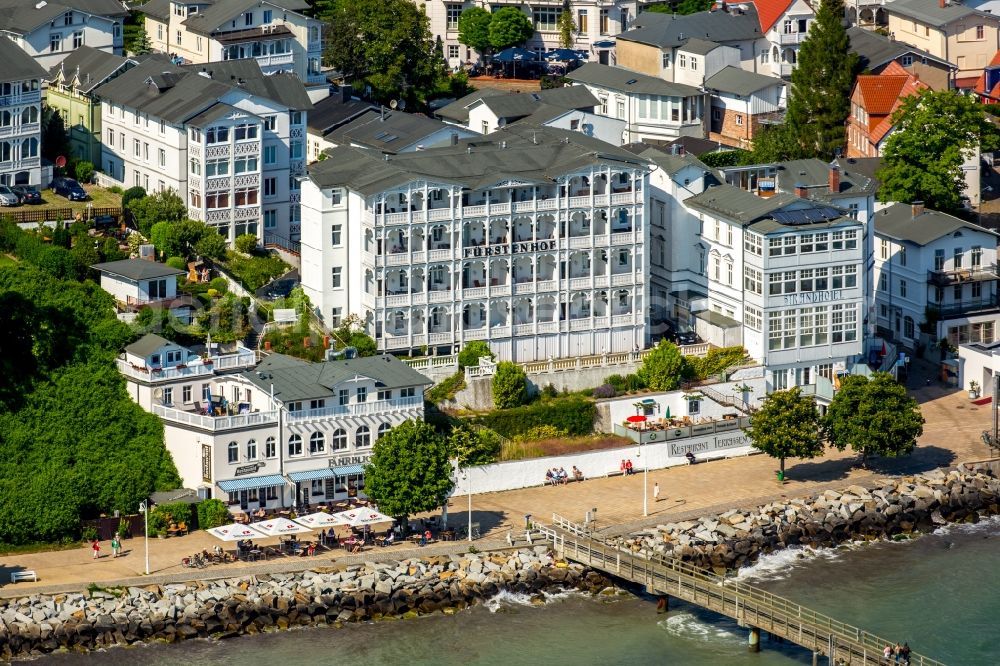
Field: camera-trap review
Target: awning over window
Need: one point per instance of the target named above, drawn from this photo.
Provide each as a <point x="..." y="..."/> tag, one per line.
<point x="312" y="475"/>
<point x="263" y="481"/>
<point x="349" y="469"/>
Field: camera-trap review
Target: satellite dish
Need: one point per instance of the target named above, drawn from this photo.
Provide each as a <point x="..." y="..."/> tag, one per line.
<point x="61" y="161"/>
<point x="402" y="104"/>
<point x="158" y="395"/>
<point x="393" y="104"/>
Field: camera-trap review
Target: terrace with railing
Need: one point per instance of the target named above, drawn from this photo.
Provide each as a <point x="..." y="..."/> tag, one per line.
<point x="241" y="359"/>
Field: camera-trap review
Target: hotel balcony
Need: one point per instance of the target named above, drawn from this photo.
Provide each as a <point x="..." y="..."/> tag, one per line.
<point x="240" y="359"/>
<point x="201" y="421"/>
<point x="359" y="409"/>
<point x="963" y="275"/>
<point x="967" y="307"/>
<point x="20" y="130"/>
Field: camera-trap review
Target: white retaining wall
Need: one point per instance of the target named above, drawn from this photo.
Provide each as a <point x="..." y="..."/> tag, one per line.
<point x="528" y="473"/>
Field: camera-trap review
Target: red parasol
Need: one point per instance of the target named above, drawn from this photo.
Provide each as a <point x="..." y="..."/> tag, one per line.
<point x="638" y="418"/>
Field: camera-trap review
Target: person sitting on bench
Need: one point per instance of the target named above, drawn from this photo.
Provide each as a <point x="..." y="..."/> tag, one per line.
<point x="690" y="457"/>
<point x="577" y="474"/>
<point x="550" y="478"/>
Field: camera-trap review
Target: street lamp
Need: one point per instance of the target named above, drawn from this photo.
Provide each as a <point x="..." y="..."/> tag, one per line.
<point x="145" y="512"/>
<point x="463" y="474"/>
<point x="645" y="482"/>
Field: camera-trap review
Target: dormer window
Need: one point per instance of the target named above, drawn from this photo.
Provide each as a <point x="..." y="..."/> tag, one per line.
<point x="154" y="359"/>
<point x="68" y="18"/>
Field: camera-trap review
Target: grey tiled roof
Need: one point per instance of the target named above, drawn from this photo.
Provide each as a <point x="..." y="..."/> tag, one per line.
<point x="23" y="16"/>
<point x="815" y="173"/>
<point x="897" y="221"/>
<point x="137" y="269"/>
<point x="699" y="46"/>
<point x="931" y="13"/>
<point x="876" y="50"/>
<point x="294" y="379"/>
<point x="525" y="153"/>
<point x="385" y="130"/>
<point x="17" y="64"/>
<point x="458" y="110"/>
<point x="625" y="80"/>
<point x="92" y="66"/>
<point x="147" y="344"/>
<point x="737" y="204"/>
<point x="284" y="88"/>
<point x="211" y="18"/>
<point x="738" y="81"/>
<point x="331" y="112"/>
<point x="666" y="30"/>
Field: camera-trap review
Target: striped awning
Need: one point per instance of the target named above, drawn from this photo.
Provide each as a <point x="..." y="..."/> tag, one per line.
<point x="312" y="475"/>
<point x="263" y="481"/>
<point x="349" y="469"/>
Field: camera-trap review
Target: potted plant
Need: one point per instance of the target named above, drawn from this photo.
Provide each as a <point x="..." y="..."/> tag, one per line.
<point x="745" y="390"/>
<point x="973" y="390"/>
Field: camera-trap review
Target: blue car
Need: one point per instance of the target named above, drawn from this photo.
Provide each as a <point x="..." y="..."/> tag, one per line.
<point x="69" y="188"/>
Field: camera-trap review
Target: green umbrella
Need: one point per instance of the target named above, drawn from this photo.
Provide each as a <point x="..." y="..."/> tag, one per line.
<point x="667" y="415"/>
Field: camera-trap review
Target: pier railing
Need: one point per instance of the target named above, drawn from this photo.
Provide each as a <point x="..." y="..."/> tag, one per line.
<point x="750" y="606"/>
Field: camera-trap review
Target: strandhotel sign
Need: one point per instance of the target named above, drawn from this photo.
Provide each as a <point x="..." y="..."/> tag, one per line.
<point x="814" y="297"/>
<point x="511" y="248"/>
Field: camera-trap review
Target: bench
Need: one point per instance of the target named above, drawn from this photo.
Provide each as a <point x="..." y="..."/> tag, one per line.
<point x="616" y="472"/>
<point x="18" y="576"/>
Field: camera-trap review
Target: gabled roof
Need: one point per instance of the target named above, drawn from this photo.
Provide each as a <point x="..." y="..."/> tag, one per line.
<point x="387" y="131"/>
<point x="625" y="80"/>
<point x="333" y="111"/>
<point x="897" y="221"/>
<point x="295" y="379"/>
<point x="981" y="82"/>
<point x="876" y="50"/>
<point x="17" y="64"/>
<point x="24" y="16"/>
<point x="672" y="163"/>
<point x="671" y="30"/>
<point x="147" y="344"/>
<point x="90" y="66"/>
<point x="739" y="81"/>
<point x="932" y="13"/>
<point x="881" y="94"/>
<point x="136" y="269"/>
<point x="523" y="104"/>
<point x="737" y="204"/>
<point x="699" y="46"/>
<point x="814" y="175"/>
<point x="769" y="11"/>
<point x="525" y="153"/>
<point x="210" y="19"/>
<point x="284" y="88"/>
<point x="458" y="111"/>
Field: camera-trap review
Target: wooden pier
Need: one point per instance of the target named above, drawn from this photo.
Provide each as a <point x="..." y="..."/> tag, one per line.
<point x="839" y="643"/>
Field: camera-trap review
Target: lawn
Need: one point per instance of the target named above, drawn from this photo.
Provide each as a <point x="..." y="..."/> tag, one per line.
<point x="99" y="198"/>
<point x="7" y="261"/>
<point x="561" y="446"/>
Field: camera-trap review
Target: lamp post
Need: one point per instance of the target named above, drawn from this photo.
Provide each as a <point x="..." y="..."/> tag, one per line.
<point x="468" y="487"/>
<point x="145" y="512"/>
<point x="645" y="483"/>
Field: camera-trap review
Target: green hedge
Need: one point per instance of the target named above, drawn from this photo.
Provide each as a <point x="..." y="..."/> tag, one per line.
<point x="212" y="513"/>
<point x="573" y="415"/>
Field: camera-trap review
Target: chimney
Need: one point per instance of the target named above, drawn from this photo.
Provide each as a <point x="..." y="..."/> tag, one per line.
<point x="454" y="138"/>
<point x="346" y="92"/>
<point x="942" y="3"/>
<point x="834" y="179"/>
<point x="917" y="207"/>
<point x="801" y="191"/>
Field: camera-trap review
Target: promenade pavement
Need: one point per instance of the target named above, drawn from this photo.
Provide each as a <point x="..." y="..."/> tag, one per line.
<point x="951" y="435"/>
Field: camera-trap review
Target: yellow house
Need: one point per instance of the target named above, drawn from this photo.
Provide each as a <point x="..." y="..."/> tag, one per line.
<point x="956" y="33"/>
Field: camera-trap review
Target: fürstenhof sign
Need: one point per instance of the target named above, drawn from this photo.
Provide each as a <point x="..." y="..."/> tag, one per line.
<point x="512" y="248"/>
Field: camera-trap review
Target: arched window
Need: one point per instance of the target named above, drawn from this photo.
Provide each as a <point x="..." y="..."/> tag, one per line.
<point x="317" y="443"/>
<point x="252" y="449"/>
<point x="363" y="437"/>
<point x="339" y="440"/>
<point x="383" y="429"/>
<point x="295" y="445"/>
<point x="270" y="450"/>
<point x="234" y="452"/>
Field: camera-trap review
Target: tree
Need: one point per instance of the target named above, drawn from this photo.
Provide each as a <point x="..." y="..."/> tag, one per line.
<point x="473" y="448"/>
<point x="164" y="206"/>
<point x="163" y="235"/>
<point x="566" y="29"/>
<point x="474" y="29"/>
<point x="681" y="7"/>
<point x="84" y="171"/>
<point x="510" y="27"/>
<point x="141" y="44"/>
<point x="247" y="243"/>
<point x="211" y="245"/>
<point x="874" y="417"/>
<point x="131" y="195"/>
<point x="934" y="132"/>
<point x="384" y="44"/>
<point x="510" y="386"/>
<point x="409" y="471"/>
<point x="55" y="139"/>
<point x="663" y="367"/>
<point x="820" y="96"/>
<point x="786" y="426"/>
<point x="773" y="143"/>
<point x="472" y="352"/>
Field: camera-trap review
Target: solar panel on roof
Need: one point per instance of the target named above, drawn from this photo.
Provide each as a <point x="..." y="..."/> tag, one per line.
<point x="806" y="215"/>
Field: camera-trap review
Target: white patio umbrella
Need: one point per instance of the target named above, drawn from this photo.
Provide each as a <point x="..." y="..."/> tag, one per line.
<point x="235" y="532"/>
<point x="319" y="520"/>
<point x="280" y="526"/>
<point x="363" y="516"/>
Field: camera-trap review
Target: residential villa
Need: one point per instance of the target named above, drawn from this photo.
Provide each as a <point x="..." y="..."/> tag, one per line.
<point x="878" y="52"/>
<point x="50" y="31"/>
<point x="21" y="80"/>
<point x="874" y="99"/>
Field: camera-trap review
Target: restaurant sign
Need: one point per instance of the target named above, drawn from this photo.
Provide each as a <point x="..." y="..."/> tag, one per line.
<point x="252" y="468"/>
<point x="719" y="443"/>
<point x="512" y="248"/>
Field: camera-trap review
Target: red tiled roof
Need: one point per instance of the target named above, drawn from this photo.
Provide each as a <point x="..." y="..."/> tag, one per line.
<point x="880" y="93"/>
<point x="769" y="11"/>
<point x="981" y="81"/>
<point x="966" y="82"/>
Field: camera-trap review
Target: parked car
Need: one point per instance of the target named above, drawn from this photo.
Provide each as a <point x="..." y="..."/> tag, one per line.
<point x="8" y="197"/>
<point x="69" y="188"/>
<point x="688" y="338"/>
<point x="28" y="194"/>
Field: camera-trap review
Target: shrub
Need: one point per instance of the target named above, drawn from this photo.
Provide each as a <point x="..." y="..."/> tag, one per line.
<point x="540" y="432"/>
<point x="510" y="386"/>
<point x="573" y="415"/>
<point x="605" y="391"/>
<point x="212" y="293"/>
<point x="663" y="367"/>
<point x="212" y="513"/>
<point x="114" y="189"/>
<point x="84" y="171"/>
<point x="634" y="382"/>
<point x="616" y="381"/>
<point x="255" y="272"/>
<point x="471" y="353"/>
<point x="132" y="194"/>
<point x="715" y="362"/>
<point x="246" y="243"/>
<point x="178" y="263"/>
<point x="549" y="391"/>
<point x="219" y="284"/>
<point x="447" y="388"/>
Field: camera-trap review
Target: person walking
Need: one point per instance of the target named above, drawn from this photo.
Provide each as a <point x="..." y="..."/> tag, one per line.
<point x="887" y="653"/>
<point x="898" y="652"/>
<point x="656" y="492"/>
<point x="95" y="547"/>
<point x="905" y="653"/>
<point x="116" y="546"/>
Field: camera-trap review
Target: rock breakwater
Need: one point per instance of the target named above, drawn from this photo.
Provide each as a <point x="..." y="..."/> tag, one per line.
<point x="902" y="506"/>
<point x="223" y="608"/>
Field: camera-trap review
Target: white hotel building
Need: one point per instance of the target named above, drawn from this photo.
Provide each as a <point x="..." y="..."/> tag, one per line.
<point x="271" y="433"/>
<point x="531" y="239"/>
<point x="20" y="115"/>
<point x="228" y="139"/>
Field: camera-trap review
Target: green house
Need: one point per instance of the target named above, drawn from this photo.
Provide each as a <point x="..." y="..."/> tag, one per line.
<point x="71" y="92"/>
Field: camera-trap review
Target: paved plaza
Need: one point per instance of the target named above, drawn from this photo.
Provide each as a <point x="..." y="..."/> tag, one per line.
<point x="951" y="435"/>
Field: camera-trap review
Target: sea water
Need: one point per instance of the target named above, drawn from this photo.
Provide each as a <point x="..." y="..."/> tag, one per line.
<point x="939" y="592"/>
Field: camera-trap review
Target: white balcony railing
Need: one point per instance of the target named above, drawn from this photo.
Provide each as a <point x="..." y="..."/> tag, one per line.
<point x="242" y="359"/>
<point x="359" y="409"/>
<point x="216" y="423"/>
<point x="276" y="60"/>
